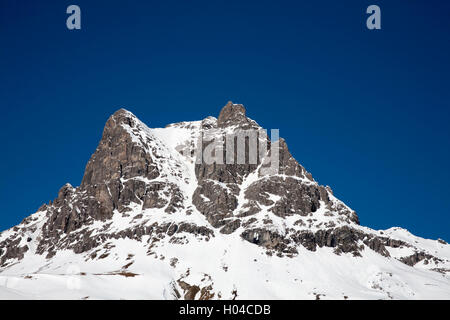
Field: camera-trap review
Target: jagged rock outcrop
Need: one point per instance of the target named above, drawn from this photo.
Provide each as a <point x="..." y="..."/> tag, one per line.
<point x="343" y="239"/>
<point x="234" y="115"/>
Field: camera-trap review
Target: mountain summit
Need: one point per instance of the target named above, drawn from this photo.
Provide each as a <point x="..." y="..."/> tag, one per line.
<point x="232" y="114"/>
<point x="155" y="218"/>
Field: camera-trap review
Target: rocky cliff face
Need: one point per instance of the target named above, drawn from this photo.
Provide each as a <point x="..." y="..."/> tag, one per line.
<point x="154" y="187"/>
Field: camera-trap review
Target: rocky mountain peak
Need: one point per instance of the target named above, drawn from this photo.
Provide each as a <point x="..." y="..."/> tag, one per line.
<point x="232" y="114"/>
<point x="118" y="119"/>
<point x="121" y="152"/>
<point x="123" y="116"/>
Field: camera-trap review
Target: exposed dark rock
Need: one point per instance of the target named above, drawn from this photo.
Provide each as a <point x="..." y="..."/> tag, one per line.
<point x="12" y="250"/>
<point x="215" y="201"/>
<point x="268" y="239"/>
<point x="189" y="291"/>
<point x="230" y="227"/>
<point x="287" y="164"/>
<point x="295" y="196"/>
<point x="417" y="257"/>
<point x="233" y="115"/>
<point x="441" y="270"/>
<point x="344" y="239"/>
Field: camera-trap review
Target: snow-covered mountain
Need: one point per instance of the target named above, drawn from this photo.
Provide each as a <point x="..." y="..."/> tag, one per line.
<point x="152" y="221"/>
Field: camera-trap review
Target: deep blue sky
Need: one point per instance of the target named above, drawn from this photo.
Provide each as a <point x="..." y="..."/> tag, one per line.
<point x="366" y="112"/>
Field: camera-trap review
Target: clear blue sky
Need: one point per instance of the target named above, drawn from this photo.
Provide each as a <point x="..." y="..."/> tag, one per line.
<point x="366" y="112"/>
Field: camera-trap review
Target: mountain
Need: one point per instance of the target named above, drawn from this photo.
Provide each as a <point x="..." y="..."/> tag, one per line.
<point x="155" y="218"/>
